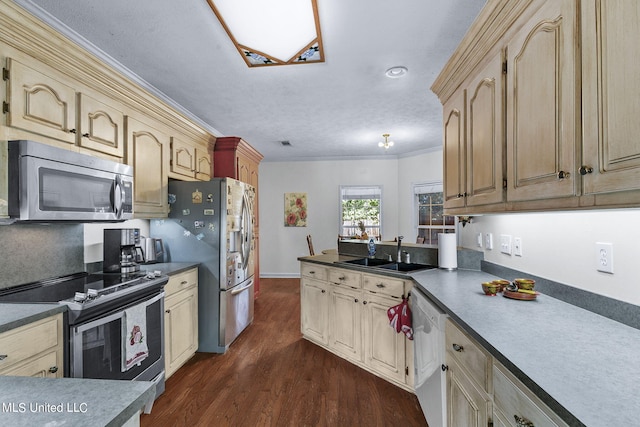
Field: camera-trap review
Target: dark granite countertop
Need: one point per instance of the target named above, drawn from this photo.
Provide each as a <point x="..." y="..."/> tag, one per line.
<point x="14" y="315"/>
<point x="583" y="365"/>
<point x="169" y="268"/>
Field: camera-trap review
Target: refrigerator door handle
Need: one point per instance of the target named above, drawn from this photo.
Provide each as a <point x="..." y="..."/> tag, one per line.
<point x="238" y="291"/>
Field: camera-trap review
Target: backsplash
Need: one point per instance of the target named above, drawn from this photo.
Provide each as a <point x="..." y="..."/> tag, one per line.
<point x="31" y="252"/>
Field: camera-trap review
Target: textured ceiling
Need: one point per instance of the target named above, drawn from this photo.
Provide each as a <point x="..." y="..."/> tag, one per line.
<point x="336" y="109"/>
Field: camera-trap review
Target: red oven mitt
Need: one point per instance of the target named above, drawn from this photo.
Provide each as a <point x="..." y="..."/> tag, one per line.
<point x="400" y="318"/>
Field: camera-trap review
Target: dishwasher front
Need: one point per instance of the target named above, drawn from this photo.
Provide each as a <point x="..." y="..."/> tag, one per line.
<point x="429" y="348"/>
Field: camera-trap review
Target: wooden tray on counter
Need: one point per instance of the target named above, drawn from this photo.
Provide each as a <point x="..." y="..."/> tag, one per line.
<point x="519" y="295"/>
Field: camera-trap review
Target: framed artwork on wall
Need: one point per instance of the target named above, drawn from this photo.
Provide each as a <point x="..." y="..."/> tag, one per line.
<point x="295" y="209"/>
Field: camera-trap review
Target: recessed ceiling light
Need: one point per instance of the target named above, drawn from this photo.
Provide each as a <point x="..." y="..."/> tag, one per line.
<point x="395" y="72"/>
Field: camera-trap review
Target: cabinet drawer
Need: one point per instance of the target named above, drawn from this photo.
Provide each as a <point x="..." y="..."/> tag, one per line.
<point x="468" y="354"/>
<point x="383" y="285"/>
<point x="516" y="402"/>
<point x="315" y="271"/>
<point x="28" y="340"/>
<point x="49" y="365"/>
<point x="345" y="277"/>
<point x="181" y="281"/>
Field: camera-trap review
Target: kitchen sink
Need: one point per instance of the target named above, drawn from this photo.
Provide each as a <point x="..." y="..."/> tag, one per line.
<point x="369" y="262"/>
<point x="402" y="267"/>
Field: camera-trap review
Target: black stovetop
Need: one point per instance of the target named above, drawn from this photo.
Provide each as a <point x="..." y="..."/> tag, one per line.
<point x="65" y="287"/>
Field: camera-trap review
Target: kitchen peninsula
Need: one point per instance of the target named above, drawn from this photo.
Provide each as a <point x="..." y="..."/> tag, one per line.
<point x="580" y="364"/>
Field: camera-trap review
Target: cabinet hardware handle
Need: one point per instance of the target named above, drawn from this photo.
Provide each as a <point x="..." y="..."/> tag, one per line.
<point x="3" y="356"/>
<point x="85" y="135"/>
<point x="167" y="310"/>
<point x="563" y="175"/>
<point x="53" y="369"/>
<point x="460" y="195"/>
<point x="356" y="300"/>
<point x="457" y="347"/>
<point x="364" y="302"/>
<point x="323" y="291"/>
<point x="72" y="131"/>
<point x="312" y="272"/>
<point x="380" y="285"/>
<point x="444" y="367"/>
<point x="523" y="422"/>
<point x="342" y="278"/>
<point x="184" y="282"/>
<point x="585" y="170"/>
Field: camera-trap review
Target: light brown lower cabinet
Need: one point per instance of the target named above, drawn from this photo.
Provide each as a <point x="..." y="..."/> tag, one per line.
<point x="33" y="350"/>
<point x="345" y="311"/>
<point x="180" y="320"/>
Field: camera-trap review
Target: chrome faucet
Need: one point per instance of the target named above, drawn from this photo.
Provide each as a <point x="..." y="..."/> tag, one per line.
<point x="399" y="238"/>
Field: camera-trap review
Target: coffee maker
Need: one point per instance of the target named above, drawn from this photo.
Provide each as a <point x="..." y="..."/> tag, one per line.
<point x="122" y="250"/>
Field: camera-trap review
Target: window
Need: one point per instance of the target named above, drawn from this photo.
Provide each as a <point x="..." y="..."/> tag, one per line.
<point x="360" y="208"/>
<point x="431" y="219"/>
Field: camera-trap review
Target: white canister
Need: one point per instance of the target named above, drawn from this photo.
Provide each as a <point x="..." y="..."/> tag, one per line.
<point x="447" y="251"/>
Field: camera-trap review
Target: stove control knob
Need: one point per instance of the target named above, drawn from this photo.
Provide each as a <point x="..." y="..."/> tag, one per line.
<point x="92" y="293"/>
<point x="80" y="297"/>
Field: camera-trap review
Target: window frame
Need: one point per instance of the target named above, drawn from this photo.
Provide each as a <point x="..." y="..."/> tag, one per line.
<point x="341" y="226"/>
<point x="429" y="187"/>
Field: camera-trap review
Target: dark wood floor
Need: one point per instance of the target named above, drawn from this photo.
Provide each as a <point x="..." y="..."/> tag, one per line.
<point x="270" y="376"/>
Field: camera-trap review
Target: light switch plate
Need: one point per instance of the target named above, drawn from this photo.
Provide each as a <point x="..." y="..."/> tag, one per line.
<point x="488" y="241"/>
<point x="517" y="246"/>
<point x="505" y="244"/>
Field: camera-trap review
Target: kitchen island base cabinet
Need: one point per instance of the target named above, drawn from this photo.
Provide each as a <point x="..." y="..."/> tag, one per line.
<point x="180" y="319"/>
<point x="341" y="312"/>
<point x="33" y="350"/>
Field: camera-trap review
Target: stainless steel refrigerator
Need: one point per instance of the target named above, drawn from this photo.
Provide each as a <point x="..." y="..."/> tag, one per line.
<point x="212" y="223"/>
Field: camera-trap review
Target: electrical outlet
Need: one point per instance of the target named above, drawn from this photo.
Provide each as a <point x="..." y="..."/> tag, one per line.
<point x="517" y="246"/>
<point x="488" y="240"/>
<point x="604" y="257"/>
<point x="479" y="240"/>
<point x="505" y="244"/>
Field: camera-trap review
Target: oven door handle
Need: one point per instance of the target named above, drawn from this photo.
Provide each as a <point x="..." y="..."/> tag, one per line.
<point x="108" y="319"/>
<point x="244" y="288"/>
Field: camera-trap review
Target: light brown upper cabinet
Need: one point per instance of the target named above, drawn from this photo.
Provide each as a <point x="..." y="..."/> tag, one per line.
<point x="541" y="104"/>
<point x="611" y="94"/>
<point x="148" y="153"/>
<point x="473" y="139"/>
<point x="189" y="161"/>
<point x="101" y="126"/>
<point x="39" y="102"/>
<point x="569" y="119"/>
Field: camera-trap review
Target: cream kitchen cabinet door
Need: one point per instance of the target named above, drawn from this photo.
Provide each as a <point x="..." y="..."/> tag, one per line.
<point x="384" y="348"/>
<point x="180" y="320"/>
<point x="34" y="350"/>
<point x="542" y="104"/>
<point x="101" y="126"/>
<point x="39" y="101"/>
<point x="468" y="405"/>
<point x="148" y="153"/>
<point x="203" y="164"/>
<point x="314" y="307"/>
<point x="610" y="90"/>
<point x="345" y="325"/>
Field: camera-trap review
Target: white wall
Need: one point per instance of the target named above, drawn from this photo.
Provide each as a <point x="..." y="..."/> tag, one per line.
<point x="94" y="236"/>
<point x="561" y="247"/>
<point x="280" y="246"/>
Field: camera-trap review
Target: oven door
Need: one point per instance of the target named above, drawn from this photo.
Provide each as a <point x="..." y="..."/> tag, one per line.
<point x="97" y="345"/>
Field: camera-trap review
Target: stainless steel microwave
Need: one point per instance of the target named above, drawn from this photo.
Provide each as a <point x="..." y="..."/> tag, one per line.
<point x="47" y="183"/>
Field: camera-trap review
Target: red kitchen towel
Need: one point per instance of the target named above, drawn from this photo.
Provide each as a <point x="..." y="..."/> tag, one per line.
<point x="400" y="318"/>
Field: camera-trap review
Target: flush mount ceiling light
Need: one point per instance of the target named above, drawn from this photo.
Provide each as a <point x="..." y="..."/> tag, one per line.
<point x="272" y="32"/>
<point x="396" y="72"/>
<point x="386" y="144"/>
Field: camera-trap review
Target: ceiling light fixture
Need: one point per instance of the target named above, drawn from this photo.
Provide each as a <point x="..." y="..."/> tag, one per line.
<point x="386" y="144"/>
<point x="272" y="32"/>
<point x="396" y="72"/>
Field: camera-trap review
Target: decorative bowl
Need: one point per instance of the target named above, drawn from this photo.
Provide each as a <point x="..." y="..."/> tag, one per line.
<point x="502" y="284"/>
<point x="527" y="284"/>
<point x="490" y="288"/>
